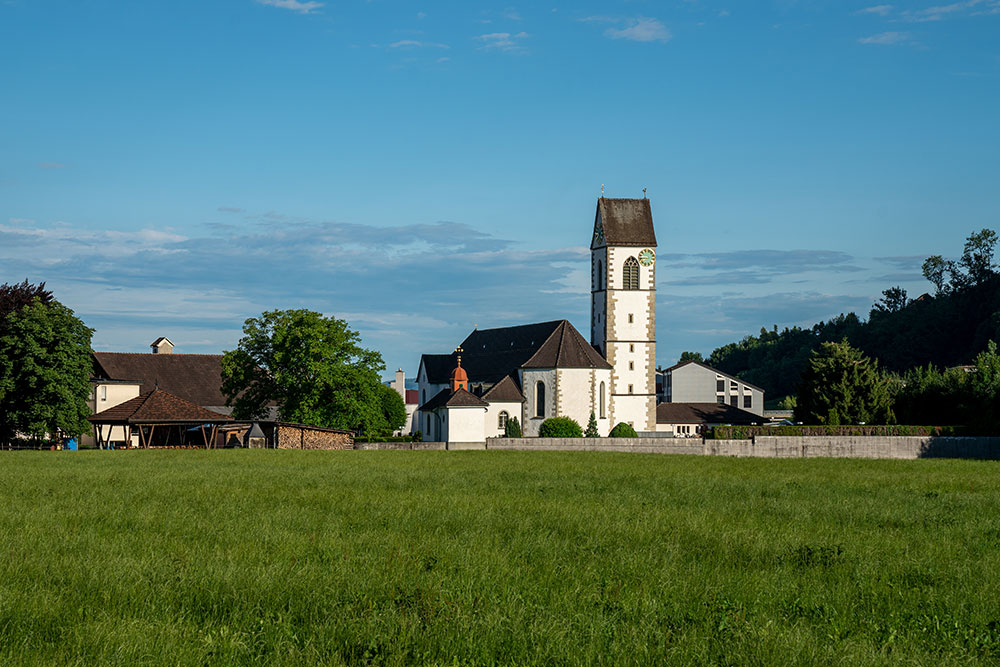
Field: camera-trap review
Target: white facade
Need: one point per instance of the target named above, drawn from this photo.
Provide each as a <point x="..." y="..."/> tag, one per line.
<point x="495" y="426"/>
<point x="463" y="427"/>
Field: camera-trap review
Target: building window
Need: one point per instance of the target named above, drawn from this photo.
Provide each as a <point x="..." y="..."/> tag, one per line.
<point x="539" y="399"/>
<point x="733" y="400"/>
<point x="748" y="402"/>
<point x="600" y="274"/>
<point x="104" y="392"/>
<point x="428" y="429"/>
<point x="630" y="274"/>
<point x="502" y="420"/>
<point x="630" y="389"/>
<point x="720" y="386"/>
<point x="631" y="318"/>
<point x="631" y="347"/>
<point x="602" y="401"/>
<point x="733" y="386"/>
<point x="721" y="400"/>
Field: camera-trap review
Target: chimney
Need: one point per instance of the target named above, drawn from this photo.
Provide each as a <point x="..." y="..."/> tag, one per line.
<point x="162" y="345"/>
<point x="399" y="384"/>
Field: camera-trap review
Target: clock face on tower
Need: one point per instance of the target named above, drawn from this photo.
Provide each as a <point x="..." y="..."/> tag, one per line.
<point x="646" y="257"/>
<point x="599" y="234"/>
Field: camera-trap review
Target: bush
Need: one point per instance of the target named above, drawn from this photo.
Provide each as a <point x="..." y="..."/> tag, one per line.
<point x="513" y="428"/>
<point x="560" y="427"/>
<point x="623" y="430"/>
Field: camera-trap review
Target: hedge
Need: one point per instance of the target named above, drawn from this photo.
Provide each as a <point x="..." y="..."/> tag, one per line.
<point x="748" y="432"/>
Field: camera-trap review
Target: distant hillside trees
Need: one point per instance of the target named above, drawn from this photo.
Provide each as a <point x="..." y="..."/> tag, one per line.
<point x="947" y="329"/>
<point x="45" y="365"/>
<point x="314" y="369"/>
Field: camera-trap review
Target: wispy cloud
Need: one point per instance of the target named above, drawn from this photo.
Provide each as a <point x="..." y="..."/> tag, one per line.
<point x="310" y="7"/>
<point x="880" y="10"/>
<point x="953" y="10"/>
<point x="641" y="30"/>
<point x="503" y="41"/>
<point x="415" y="44"/>
<point x="890" y="38"/>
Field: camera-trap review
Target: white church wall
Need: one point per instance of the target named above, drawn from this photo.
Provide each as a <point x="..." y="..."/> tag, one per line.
<point x="464" y="426"/>
<point x="579" y="395"/>
<point x="492" y="427"/>
<point x="530" y="377"/>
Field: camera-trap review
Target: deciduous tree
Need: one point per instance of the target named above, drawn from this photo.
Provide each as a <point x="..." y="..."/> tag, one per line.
<point x="312" y="367"/>
<point x="45" y="365"/>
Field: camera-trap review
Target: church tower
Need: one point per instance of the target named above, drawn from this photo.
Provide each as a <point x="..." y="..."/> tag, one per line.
<point x="623" y="306"/>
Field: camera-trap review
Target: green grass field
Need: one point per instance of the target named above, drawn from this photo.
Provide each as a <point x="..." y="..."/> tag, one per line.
<point x="266" y="557"/>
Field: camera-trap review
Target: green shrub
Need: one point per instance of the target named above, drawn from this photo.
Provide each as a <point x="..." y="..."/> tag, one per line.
<point x="560" y="427"/>
<point x="513" y="428"/>
<point x="623" y="430"/>
<point x="592" y="431"/>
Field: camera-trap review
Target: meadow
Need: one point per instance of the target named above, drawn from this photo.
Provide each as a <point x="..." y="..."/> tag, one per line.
<point x="489" y="558"/>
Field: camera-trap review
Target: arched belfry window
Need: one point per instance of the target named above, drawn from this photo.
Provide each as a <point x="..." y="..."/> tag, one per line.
<point x="602" y="400"/>
<point x="630" y="274"/>
<point x="539" y="399"/>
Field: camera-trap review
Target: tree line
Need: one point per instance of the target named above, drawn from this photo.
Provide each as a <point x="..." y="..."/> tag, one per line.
<point x="941" y="330"/>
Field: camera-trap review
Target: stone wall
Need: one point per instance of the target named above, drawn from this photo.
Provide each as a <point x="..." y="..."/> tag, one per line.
<point x="636" y="445"/>
<point x="304" y="437"/>
<point x="860" y="447"/>
<point x="399" y="445"/>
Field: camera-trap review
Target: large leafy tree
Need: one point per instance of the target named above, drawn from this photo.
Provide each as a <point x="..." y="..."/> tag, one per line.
<point x="312" y="367"/>
<point x="843" y="386"/>
<point x="393" y="408"/>
<point x="45" y="365"/>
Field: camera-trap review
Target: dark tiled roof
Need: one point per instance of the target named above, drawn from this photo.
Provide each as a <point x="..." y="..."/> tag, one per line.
<point x="459" y="399"/>
<point x="714" y="370"/>
<point x="566" y="348"/>
<point x="504" y="391"/>
<point x="489" y="355"/>
<point x="704" y="413"/>
<point x="193" y="377"/>
<point x="158" y="406"/>
<point x="626" y="222"/>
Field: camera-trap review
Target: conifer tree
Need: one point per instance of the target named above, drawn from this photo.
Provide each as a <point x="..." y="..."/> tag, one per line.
<point x="592" y="431"/>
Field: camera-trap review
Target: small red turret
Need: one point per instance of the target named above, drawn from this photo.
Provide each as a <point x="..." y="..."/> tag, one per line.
<point x="459" y="378"/>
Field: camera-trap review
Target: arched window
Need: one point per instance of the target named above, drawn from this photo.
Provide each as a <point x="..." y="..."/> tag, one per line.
<point x="602" y="400"/>
<point x="630" y="274"/>
<point x="539" y="399"/>
<point x="600" y="274"/>
<point x="502" y="420"/>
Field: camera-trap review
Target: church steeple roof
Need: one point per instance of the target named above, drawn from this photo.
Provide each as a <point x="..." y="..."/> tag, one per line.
<point x="626" y="222"/>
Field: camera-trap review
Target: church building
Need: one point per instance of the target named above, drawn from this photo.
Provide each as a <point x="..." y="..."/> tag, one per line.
<point x="548" y="369"/>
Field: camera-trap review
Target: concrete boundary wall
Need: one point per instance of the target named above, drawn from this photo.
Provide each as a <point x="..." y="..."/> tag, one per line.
<point x="860" y="447"/>
<point x="636" y="445"/>
<point x="399" y="445"/>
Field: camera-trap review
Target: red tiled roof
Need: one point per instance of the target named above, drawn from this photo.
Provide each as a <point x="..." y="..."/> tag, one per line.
<point x="412" y="396"/>
<point x="158" y="407"/>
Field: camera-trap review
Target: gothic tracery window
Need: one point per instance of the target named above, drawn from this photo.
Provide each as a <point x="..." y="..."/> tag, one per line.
<point x="630" y="274"/>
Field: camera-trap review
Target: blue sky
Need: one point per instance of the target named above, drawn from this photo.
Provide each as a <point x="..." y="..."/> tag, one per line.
<point x="418" y="168"/>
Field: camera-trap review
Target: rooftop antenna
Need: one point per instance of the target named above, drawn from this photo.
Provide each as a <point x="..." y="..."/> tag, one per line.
<point x="644" y="193"/>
